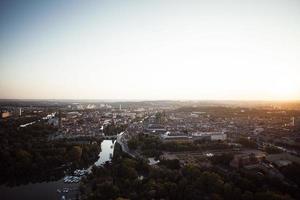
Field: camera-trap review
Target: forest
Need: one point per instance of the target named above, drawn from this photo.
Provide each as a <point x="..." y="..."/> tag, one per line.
<point x="28" y="156"/>
<point x="128" y="178"/>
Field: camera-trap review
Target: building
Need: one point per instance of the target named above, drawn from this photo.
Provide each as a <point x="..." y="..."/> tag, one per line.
<point x="53" y="121"/>
<point x="282" y="158"/>
<point x="247" y="159"/>
<point x="180" y="136"/>
<point x="155" y="128"/>
<point x="5" y="114"/>
<point x="175" y="136"/>
<point x="292" y="121"/>
<point x="212" y="136"/>
<point x="218" y="136"/>
<point x="296" y="123"/>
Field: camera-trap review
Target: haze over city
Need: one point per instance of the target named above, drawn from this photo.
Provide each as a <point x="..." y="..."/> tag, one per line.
<point x="239" y="50"/>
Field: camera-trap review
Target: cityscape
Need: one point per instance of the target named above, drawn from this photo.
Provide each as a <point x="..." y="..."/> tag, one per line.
<point x="138" y="100"/>
<point x="242" y="150"/>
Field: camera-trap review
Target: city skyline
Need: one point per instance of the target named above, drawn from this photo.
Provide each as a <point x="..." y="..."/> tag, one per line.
<point x="181" y="50"/>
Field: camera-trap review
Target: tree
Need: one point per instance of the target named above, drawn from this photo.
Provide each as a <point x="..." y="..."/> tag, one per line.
<point x="132" y="144"/>
<point x="247" y="142"/>
<point x="171" y="164"/>
<point x="273" y="150"/>
<point x="24" y="158"/>
<point x="247" y="195"/>
<point x="75" y="153"/>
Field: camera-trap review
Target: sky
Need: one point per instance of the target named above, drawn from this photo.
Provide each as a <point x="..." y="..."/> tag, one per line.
<point x="154" y="50"/>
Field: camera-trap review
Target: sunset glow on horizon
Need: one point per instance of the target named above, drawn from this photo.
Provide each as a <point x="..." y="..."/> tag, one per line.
<point x="239" y="50"/>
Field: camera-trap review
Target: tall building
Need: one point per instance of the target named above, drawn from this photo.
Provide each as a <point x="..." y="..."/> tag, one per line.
<point x="59" y="119"/>
<point x="295" y="123"/>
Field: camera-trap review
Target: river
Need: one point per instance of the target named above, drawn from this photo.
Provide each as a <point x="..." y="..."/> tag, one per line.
<point x="48" y="190"/>
<point x="49" y="116"/>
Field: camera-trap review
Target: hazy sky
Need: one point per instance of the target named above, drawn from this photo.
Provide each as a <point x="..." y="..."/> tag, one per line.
<point x="150" y="49"/>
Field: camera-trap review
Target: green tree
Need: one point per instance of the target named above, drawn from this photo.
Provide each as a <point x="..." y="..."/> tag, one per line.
<point x="75" y="153"/>
<point x="24" y="158"/>
<point x="132" y="144"/>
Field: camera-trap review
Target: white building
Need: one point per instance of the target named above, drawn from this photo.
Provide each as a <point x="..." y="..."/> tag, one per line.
<point x="213" y="136"/>
<point x="219" y="136"/>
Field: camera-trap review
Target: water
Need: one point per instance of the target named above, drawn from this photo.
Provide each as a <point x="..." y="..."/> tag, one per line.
<point x="52" y="115"/>
<point x="28" y="124"/>
<point x="47" y="190"/>
<point x="107" y="150"/>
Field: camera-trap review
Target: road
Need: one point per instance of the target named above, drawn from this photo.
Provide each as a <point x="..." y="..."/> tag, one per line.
<point x="122" y="141"/>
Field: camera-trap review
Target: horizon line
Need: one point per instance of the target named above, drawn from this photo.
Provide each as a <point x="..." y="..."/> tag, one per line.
<point x="141" y="100"/>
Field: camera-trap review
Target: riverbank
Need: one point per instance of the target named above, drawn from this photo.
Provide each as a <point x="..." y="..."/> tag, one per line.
<point x="55" y="189"/>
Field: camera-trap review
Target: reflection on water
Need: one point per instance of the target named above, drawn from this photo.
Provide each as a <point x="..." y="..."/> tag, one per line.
<point x="107" y="150"/>
<point x="48" y="190"/>
<point x="45" y="190"/>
